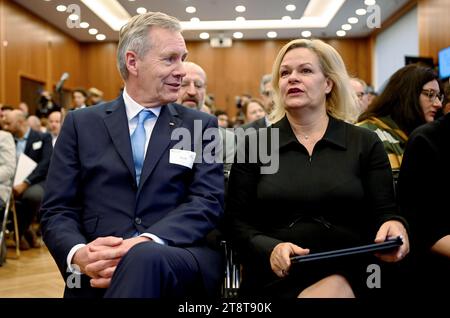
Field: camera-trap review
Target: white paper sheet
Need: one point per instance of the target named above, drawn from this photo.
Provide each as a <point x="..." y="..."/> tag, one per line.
<point x="25" y="166"/>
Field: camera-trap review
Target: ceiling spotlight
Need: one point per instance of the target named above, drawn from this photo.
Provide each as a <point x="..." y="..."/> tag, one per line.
<point x="286" y="18"/>
<point x="141" y="10"/>
<point x="74" y="17"/>
<point x="195" y="20"/>
<point x="361" y="11"/>
<point x="93" y="31"/>
<point x="341" y="33"/>
<point x="100" y="37"/>
<point x="346" y="27"/>
<point x="240" y="19"/>
<point x="272" y="34"/>
<point x="84" y="25"/>
<point x="306" y="34"/>
<point x="370" y="2"/>
<point x="353" y="20"/>
<point x="240" y="8"/>
<point x="238" y="35"/>
<point x="61" y="8"/>
<point x="204" y="35"/>
<point x="291" y="7"/>
<point x="191" y="9"/>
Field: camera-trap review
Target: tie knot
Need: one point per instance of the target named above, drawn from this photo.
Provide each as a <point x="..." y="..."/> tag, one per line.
<point x="144" y="115"/>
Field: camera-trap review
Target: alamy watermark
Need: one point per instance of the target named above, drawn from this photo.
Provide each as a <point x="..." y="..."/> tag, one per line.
<point x="245" y="146"/>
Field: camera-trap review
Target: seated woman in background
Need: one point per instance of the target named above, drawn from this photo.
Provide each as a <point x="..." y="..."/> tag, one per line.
<point x="408" y="101"/>
<point x="253" y="110"/>
<point x="333" y="187"/>
<point x="422" y="192"/>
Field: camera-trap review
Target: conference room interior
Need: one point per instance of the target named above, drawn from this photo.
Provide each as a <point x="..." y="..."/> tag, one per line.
<point x="42" y="49"/>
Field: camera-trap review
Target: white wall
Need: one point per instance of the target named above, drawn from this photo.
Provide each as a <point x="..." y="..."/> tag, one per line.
<point x="400" y="39"/>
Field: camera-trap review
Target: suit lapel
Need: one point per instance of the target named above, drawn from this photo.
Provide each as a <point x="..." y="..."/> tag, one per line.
<point x="117" y="124"/>
<point x="160" y="140"/>
<point x="31" y="139"/>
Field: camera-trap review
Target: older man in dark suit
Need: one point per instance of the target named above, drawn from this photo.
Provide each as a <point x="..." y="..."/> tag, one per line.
<point x="125" y="205"/>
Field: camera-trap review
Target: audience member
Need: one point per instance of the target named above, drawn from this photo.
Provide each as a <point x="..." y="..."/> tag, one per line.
<point x="54" y="125"/>
<point x="359" y="86"/>
<point x="222" y="118"/>
<point x="411" y="98"/>
<point x="79" y="98"/>
<point x="28" y="194"/>
<point x="132" y="221"/>
<point x="332" y="189"/>
<point x="255" y="114"/>
<point x="95" y="96"/>
<point x="35" y="123"/>
<point x="422" y="191"/>
<point x="266" y="91"/>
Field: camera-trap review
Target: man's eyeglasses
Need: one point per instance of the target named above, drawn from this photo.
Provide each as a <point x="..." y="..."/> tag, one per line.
<point x="267" y="93"/>
<point x="432" y="95"/>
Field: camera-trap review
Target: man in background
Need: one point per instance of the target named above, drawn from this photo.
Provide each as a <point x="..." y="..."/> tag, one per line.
<point x="29" y="193"/>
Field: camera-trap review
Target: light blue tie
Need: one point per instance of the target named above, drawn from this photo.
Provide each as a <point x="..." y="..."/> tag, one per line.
<point x="138" y="142"/>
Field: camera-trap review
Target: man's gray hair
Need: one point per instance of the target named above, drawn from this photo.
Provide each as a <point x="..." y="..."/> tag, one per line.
<point x="266" y="78"/>
<point x="134" y="36"/>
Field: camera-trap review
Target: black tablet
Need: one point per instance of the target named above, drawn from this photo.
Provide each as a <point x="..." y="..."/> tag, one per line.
<point x="383" y="246"/>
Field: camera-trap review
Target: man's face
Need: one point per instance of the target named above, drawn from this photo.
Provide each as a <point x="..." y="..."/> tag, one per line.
<point x="12" y="122"/>
<point x="267" y="96"/>
<point x="54" y="123"/>
<point x="160" y="71"/>
<point x="193" y="87"/>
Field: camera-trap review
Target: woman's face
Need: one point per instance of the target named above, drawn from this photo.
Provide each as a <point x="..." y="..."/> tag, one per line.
<point x="301" y="80"/>
<point x="78" y="99"/>
<point x="254" y="112"/>
<point x="428" y="100"/>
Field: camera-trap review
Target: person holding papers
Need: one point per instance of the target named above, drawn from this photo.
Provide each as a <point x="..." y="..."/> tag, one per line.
<point x="333" y="187"/>
<point x="28" y="192"/>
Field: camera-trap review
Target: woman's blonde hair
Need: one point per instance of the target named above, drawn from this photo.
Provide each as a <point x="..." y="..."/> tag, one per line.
<point x="341" y="102"/>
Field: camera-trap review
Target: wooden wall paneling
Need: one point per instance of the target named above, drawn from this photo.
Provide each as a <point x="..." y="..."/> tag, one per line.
<point x="65" y="57"/>
<point x="98" y="65"/>
<point x="2" y="53"/>
<point x="434" y="27"/>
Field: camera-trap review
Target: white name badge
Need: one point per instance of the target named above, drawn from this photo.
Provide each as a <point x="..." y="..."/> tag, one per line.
<point x="182" y="157"/>
<point x="37" y="145"/>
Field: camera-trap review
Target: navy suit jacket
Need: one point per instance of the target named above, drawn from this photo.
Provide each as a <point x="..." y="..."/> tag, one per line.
<point x="91" y="189"/>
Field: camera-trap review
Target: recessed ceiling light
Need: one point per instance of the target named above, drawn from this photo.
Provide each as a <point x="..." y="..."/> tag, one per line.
<point x="195" y="20"/>
<point x="74" y="17"/>
<point x="353" y="20"/>
<point x="141" y="10"/>
<point x="204" y="35"/>
<point x="306" y="34"/>
<point x="341" y="33"/>
<point x="93" y="31"/>
<point x="131" y="0"/>
<point x="361" y="11"/>
<point x="61" y="8"/>
<point x="369" y="2"/>
<point x="100" y="37"/>
<point x="240" y="19"/>
<point x="240" y="8"/>
<point x="272" y="34"/>
<point x="346" y="27"/>
<point x="291" y="7"/>
<point x="110" y="12"/>
<point x="84" y="25"/>
<point x="286" y="18"/>
<point x="238" y="35"/>
<point x="191" y="9"/>
<point x="47" y="0"/>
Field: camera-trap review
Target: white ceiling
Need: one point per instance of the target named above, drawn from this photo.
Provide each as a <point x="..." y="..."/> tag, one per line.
<point x="213" y="10"/>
